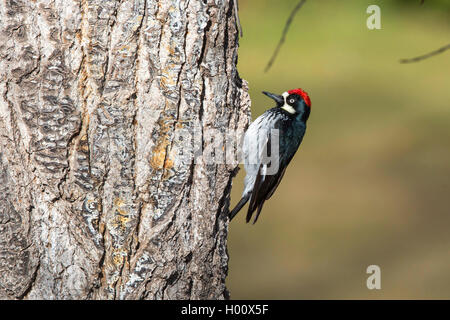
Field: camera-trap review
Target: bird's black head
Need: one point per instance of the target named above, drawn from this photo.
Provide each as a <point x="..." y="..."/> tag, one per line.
<point x="296" y="102"/>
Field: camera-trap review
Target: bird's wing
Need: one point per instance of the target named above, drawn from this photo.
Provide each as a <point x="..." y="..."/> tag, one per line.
<point x="266" y="184"/>
<point x="276" y="185"/>
<point x="255" y="141"/>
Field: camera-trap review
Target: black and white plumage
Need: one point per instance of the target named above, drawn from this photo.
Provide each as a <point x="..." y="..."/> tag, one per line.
<point x="284" y="125"/>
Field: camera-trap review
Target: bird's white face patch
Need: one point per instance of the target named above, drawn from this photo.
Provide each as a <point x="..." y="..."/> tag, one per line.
<point x="287" y="107"/>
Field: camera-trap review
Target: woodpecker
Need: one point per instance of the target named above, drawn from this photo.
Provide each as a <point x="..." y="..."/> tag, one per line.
<point x="288" y="119"/>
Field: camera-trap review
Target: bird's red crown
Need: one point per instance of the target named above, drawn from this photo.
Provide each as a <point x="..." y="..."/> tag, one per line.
<point x="302" y="94"/>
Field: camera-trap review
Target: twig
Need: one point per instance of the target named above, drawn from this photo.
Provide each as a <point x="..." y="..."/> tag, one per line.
<point x="426" y="56"/>
<point x="283" y="36"/>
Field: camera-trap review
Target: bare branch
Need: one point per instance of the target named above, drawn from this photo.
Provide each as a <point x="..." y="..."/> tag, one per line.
<point x="283" y="36"/>
<point x="426" y="56"/>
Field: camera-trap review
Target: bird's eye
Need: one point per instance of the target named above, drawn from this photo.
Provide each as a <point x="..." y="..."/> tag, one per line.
<point x="291" y="101"/>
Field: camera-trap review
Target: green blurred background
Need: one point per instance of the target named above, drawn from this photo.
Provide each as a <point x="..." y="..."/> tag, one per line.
<point x="371" y="181"/>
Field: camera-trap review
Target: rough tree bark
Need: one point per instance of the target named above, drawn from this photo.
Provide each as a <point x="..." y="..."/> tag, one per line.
<point x="95" y="202"/>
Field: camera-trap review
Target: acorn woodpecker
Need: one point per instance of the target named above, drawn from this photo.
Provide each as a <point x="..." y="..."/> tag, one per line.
<point x="278" y="132"/>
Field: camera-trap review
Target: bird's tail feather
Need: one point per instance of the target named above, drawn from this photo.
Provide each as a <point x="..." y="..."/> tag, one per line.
<point x="239" y="206"/>
<point x="249" y="214"/>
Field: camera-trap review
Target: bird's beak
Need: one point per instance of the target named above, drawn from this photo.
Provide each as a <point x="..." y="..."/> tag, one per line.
<point x="278" y="99"/>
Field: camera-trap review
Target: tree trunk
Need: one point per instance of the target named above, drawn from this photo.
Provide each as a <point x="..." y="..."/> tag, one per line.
<point x="97" y="199"/>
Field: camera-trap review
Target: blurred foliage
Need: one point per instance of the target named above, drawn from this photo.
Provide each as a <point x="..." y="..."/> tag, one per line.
<point x="370" y="183"/>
